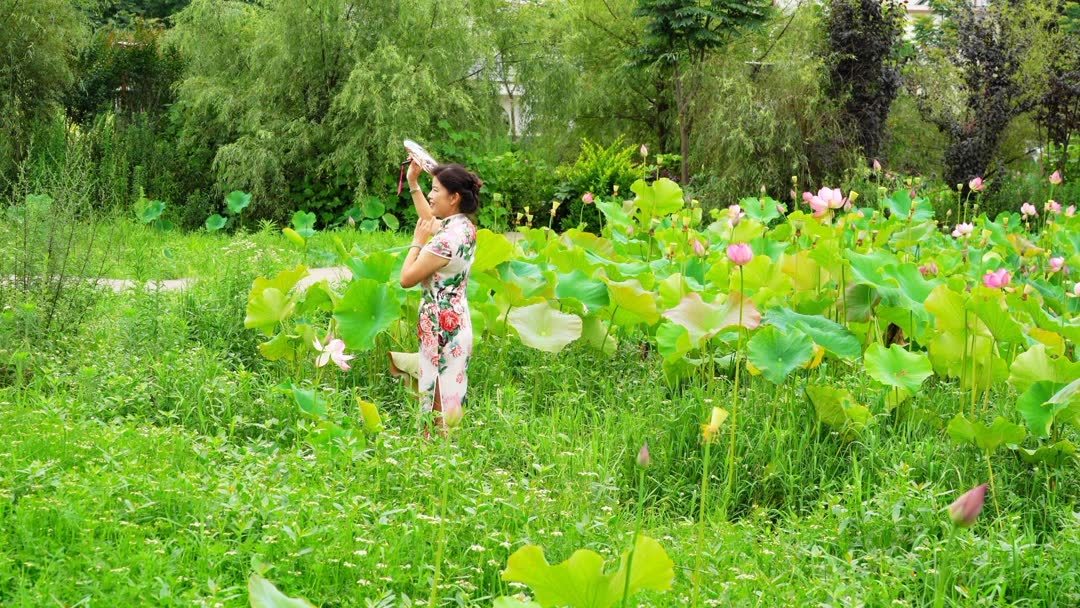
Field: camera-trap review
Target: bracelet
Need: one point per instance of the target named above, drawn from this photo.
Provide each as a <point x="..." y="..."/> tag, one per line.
<point x="417" y="246"/>
<point x="416" y="189"/>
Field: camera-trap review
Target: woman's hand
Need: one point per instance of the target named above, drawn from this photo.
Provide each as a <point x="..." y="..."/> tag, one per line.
<point x="414" y="173"/>
<point x="425" y="229"/>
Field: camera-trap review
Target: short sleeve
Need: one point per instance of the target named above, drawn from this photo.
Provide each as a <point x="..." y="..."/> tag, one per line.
<point x="444" y="243"/>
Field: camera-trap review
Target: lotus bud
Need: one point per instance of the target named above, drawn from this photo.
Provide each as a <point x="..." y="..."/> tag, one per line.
<point x="966" y="509"/>
<point x="643" y="458"/>
<point x="740" y="254"/>
<point x="716" y="419"/>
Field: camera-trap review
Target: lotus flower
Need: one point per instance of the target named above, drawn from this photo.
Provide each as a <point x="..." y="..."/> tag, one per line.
<point x="587" y="198"/>
<point x="929" y="270"/>
<point x="1075" y="291"/>
<point x="997" y="279"/>
<point x="1056" y="264"/>
<point x="1053" y="207"/>
<point x="333" y="351"/>
<point x="966" y="508"/>
<point x="699" y="248"/>
<point x="735" y="215"/>
<point x="877" y="166"/>
<point x="963" y="230"/>
<point x="1070" y="211"/>
<point x="740" y="254"/>
<point x="644" y="151"/>
<point x="1028" y="210"/>
<point x="1055" y="178"/>
<point x="976" y="184"/>
<point x="643" y="458"/>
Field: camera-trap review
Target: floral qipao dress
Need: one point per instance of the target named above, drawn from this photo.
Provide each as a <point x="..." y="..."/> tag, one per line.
<point x="445" y="329"/>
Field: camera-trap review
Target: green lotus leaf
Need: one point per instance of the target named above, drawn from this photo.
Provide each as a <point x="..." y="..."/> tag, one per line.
<point x="237" y="201"/>
<point x="580" y="582"/>
<point x="215" y="222"/>
<point x="836" y="408"/>
<point x="367" y="309"/>
<point x="660" y="198"/>
<point x="986" y="438"/>
<point x="303" y="223"/>
<point x="270" y="301"/>
<point x="777" y="352"/>
<point x="491" y="250"/>
<point x="833" y="337"/>
<point x="576" y="285"/>
<point x="897" y="367"/>
<point x="1036" y="364"/>
<point x="631" y="298"/>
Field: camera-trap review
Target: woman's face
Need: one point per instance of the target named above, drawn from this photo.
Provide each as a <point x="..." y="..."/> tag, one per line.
<point x="443" y="203"/>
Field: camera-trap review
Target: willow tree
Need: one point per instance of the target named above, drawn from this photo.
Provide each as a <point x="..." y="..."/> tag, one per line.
<point x="306" y="101"/>
<point x="680" y="35"/>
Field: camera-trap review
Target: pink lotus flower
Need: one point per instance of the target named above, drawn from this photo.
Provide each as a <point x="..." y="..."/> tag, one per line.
<point x="976" y="184"/>
<point x="1070" y="211"/>
<point x="333" y="351"/>
<point x="1028" y="210"/>
<point x="1076" y="290"/>
<point x="699" y="248"/>
<point x="1053" y="207"/>
<point x="587" y="198"/>
<point x="1055" y="178"/>
<point x="963" y="230"/>
<point x="643" y="458"/>
<point x="877" y="166"/>
<point x="929" y="270"/>
<point x="966" y="508"/>
<point x="1056" y="264"/>
<point x="825" y="200"/>
<point x="997" y="279"/>
<point x="740" y="254"/>
<point x="735" y="215"/>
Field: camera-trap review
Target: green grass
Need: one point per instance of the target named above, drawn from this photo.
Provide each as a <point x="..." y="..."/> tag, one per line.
<point x="146" y="459"/>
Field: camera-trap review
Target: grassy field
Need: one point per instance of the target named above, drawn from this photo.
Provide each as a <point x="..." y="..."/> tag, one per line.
<point x="148" y="459"/>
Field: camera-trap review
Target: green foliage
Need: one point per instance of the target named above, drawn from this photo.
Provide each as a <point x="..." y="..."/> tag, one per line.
<point x="599" y="170"/>
<point x="126" y="71"/>
<point x="863" y="60"/>
<point x="579" y="582"/>
<point x="297" y="92"/>
<point x="38" y="41"/>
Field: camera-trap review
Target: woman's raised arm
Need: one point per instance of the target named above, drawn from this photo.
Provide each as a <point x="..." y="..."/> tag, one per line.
<point x="420" y="202"/>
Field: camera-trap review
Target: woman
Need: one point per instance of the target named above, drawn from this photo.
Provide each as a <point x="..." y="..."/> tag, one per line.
<point x="440" y="256"/>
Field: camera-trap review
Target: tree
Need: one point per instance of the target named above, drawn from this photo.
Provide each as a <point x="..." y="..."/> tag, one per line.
<point x="1058" y="110"/>
<point x="38" y="41"/>
<point x="998" y="76"/>
<point x="680" y="35"/>
<point x="306" y="102"/>
<point x="863" y="65"/>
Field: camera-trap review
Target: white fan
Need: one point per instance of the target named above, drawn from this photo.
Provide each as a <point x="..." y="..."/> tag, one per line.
<point x="420" y="155"/>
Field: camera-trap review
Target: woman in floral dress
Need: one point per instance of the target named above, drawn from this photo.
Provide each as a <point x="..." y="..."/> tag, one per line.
<point x="440" y="257"/>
